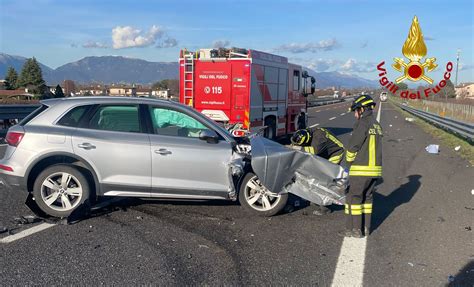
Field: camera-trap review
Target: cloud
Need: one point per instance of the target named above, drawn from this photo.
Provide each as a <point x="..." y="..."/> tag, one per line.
<point x="354" y="66"/>
<point x="364" y="44"/>
<point x="220" y="43"/>
<point x="73" y="45"/>
<point x="92" y="44"/>
<point x="321" y="65"/>
<point x="129" y="37"/>
<point x="464" y="67"/>
<point x="323" y="45"/>
<point x="428" y="38"/>
<point x="167" y="43"/>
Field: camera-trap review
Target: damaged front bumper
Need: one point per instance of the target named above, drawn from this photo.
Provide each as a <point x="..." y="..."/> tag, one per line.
<point x="284" y="170"/>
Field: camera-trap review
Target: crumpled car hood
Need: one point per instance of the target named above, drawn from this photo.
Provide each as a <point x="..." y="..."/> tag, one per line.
<point x="281" y="170"/>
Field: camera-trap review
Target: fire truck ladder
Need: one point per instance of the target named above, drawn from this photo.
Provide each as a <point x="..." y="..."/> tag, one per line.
<point x="189" y="70"/>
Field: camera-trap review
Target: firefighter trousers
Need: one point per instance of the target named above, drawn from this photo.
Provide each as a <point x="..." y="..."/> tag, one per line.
<point x="359" y="198"/>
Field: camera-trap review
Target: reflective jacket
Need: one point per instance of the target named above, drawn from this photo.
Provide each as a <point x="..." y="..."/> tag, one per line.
<point x="364" y="154"/>
<point x="325" y="144"/>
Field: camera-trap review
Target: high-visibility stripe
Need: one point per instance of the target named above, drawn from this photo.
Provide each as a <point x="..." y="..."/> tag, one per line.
<point x="336" y="159"/>
<point x="246" y="119"/>
<point x="372" y="150"/>
<point x="367" y="102"/>
<point x="365" y="173"/>
<point x="356" y="206"/>
<point x="367" y="208"/>
<point x="365" y="168"/>
<point x="309" y="149"/>
<point x="360" y="99"/>
<point x="332" y="138"/>
<point x="356" y="212"/>
<point x="350" y="156"/>
<point x="346" y="208"/>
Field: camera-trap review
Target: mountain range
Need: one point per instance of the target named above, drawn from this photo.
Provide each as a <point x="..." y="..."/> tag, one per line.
<point x="118" y="69"/>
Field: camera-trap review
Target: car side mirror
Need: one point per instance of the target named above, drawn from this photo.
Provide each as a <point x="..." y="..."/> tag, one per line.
<point x="209" y="136"/>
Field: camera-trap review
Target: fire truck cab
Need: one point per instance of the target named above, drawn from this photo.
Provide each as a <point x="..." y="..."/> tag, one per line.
<point x="246" y="88"/>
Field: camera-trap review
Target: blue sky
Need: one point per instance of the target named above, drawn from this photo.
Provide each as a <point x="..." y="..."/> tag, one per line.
<point x="346" y="36"/>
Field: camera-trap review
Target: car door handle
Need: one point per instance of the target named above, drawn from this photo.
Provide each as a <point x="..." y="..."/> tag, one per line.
<point x="86" y="146"/>
<point x="162" y="151"/>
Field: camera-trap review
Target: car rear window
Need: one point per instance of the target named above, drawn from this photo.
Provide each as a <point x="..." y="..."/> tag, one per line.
<point x="73" y="117"/>
<point x="33" y="115"/>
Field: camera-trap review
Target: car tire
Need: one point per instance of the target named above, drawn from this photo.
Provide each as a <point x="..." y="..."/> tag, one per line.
<point x="60" y="189"/>
<point x="258" y="201"/>
<point x="270" y="131"/>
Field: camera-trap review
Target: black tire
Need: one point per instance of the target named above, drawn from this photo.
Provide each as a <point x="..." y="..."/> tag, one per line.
<point x="270" y="131"/>
<point x="244" y="199"/>
<point x="77" y="180"/>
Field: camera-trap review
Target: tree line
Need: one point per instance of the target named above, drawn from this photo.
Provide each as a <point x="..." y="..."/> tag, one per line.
<point x="31" y="77"/>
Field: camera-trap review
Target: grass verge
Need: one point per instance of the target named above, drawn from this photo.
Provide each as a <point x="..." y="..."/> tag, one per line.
<point x="449" y="140"/>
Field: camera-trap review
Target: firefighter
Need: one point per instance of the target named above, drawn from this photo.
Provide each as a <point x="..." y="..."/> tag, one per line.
<point x="364" y="163"/>
<point x="323" y="143"/>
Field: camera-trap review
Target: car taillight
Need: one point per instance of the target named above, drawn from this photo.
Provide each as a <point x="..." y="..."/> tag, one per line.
<point x="6" y="167"/>
<point x="14" y="138"/>
<point x="239" y="133"/>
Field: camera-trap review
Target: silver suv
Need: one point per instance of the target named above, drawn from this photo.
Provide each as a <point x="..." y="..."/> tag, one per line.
<point x="74" y="150"/>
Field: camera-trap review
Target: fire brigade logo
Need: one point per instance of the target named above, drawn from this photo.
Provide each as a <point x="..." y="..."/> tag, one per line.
<point x="207" y="90"/>
<point x="414" y="49"/>
<point x="415" y="69"/>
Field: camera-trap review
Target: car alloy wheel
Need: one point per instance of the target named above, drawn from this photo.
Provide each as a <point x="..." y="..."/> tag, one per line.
<point x="61" y="191"/>
<point x="259" y="197"/>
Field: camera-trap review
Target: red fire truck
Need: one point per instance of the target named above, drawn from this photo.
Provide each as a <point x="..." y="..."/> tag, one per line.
<point x="249" y="88"/>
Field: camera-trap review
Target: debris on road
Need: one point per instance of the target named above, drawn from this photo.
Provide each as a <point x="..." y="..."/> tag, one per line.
<point x="409" y="119"/>
<point x="472" y="192"/>
<point x="432" y="148"/>
<point x="411" y="264"/>
<point x="27" y="219"/>
<point x="390" y="125"/>
<point x="450" y="278"/>
<point x="203" y="246"/>
<point x="457" y="148"/>
<point x="468" y="228"/>
<point x="139" y="217"/>
<point x="3" y="229"/>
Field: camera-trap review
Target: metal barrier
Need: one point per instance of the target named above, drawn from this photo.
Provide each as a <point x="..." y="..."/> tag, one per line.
<point x="322" y="102"/>
<point x="19" y="112"/>
<point x="465" y="130"/>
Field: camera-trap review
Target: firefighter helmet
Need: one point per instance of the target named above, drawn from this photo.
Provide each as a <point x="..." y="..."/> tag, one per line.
<point x="301" y="137"/>
<point x="362" y="101"/>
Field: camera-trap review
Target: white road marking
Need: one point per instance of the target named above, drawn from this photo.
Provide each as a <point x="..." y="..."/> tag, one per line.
<point x="26" y="232"/>
<point x="379" y="112"/>
<point x="315" y="125"/>
<point x="332" y="118"/>
<point x="343" y="114"/>
<point x="350" y="264"/>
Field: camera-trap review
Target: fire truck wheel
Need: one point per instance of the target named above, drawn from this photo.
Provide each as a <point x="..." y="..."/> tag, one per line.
<point x="270" y="131"/>
<point x="254" y="197"/>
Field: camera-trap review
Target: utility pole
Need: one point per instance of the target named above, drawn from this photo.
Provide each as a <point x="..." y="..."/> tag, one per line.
<point x="457" y="65"/>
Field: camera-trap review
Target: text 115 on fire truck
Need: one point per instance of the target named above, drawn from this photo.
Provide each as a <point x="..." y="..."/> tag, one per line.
<point x="246" y="87"/>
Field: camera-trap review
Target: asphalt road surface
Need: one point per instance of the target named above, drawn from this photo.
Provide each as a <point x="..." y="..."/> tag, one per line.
<point x="423" y="220"/>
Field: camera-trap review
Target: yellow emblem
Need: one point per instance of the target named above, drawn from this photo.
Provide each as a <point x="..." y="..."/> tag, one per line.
<point x="414" y="49"/>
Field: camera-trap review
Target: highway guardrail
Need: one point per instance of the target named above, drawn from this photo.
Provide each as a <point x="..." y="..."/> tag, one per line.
<point x="16" y="111"/>
<point x="462" y="129"/>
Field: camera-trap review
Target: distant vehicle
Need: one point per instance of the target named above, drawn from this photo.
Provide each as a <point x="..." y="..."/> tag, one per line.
<point x="383" y="96"/>
<point x="246" y="87"/>
<point x="336" y="95"/>
<point x="344" y="94"/>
